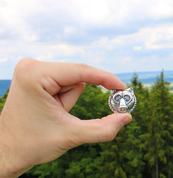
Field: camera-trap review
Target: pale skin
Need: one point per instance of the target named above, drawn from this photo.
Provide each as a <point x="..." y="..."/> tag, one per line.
<point x="35" y="126"/>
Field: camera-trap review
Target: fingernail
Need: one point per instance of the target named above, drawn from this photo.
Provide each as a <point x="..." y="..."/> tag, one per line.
<point x="125" y="121"/>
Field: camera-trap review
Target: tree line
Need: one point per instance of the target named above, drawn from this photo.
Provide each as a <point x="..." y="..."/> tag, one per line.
<point x="143" y="148"/>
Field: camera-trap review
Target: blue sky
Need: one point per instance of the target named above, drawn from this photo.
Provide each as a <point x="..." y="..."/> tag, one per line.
<point x="117" y="36"/>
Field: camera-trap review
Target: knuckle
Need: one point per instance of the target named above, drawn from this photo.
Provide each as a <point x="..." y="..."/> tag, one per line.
<point x="81" y="85"/>
<point x="111" y="135"/>
<point x="84" y="70"/>
<point x="24" y="68"/>
<point x="108" y="133"/>
<point x="108" y="137"/>
<point x="73" y="141"/>
<point x="83" y="65"/>
<point x="24" y="64"/>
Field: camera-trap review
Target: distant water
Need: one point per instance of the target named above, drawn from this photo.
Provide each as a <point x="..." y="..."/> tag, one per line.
<point x="144" y="77"/>
<point x="4" y="86"/>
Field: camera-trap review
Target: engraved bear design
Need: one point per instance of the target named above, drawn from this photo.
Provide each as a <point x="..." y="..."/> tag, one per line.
<point x="122" y="101"/>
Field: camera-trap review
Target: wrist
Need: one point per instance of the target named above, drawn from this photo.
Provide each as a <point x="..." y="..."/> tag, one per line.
<point x="11" y="165"/>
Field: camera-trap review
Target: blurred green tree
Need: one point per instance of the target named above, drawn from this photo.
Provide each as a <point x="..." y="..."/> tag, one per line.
<point x="159" y="135"/>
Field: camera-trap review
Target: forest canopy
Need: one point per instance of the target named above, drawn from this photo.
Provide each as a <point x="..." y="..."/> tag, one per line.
<point x="143" y="148"/>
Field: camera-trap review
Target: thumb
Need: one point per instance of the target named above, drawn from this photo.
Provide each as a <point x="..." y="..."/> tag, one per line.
<point x="102" y="130"/>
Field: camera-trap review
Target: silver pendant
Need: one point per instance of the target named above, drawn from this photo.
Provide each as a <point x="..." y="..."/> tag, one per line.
<point x="122" y="101"/>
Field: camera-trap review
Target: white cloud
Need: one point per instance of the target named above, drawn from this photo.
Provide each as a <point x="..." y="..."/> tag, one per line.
<point x="95" y="32"/>
<point x="161" y="9"/>
<point x="19" y="15"/>
<point x="159" y="37"/>
<point x="103" y="42"/>
<point x="92" y="11"/>
<point x="126" y="59"/>
<point x="3" y="59"/>
<point x="97" y="60"/>
<point x="66" y="50"/>
<point x="137" y="48"/>
<point x="62" y="61"/>
<point x="69" y="30"/>
<point x="13" y="20"/>
<point x="52" y="52"/>
<point x="29" y="20"/>
<point x="150" y="37"/>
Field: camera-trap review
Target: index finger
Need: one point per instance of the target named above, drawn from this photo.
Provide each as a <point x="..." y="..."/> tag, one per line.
<point x="71" y="73"/>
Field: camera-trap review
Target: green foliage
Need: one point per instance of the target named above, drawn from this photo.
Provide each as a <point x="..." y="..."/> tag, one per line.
<point x="91" y="104"/>
<point x="86" y="167"/>
<point x="143" y="148"/>
<point x="2" y="101"/>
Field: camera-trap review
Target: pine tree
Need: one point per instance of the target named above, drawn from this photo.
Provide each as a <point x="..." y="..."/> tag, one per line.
<point x="158" y="138"/>
<point x="123" y="157"/>
<point x="134" y="164"/>
<point x="113" y="157"/>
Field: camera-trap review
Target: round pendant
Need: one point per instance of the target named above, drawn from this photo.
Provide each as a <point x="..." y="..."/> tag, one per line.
<point x="122" y="101"/>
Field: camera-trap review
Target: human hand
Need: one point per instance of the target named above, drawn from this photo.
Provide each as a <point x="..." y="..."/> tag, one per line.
<point x="35" y="126"/>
